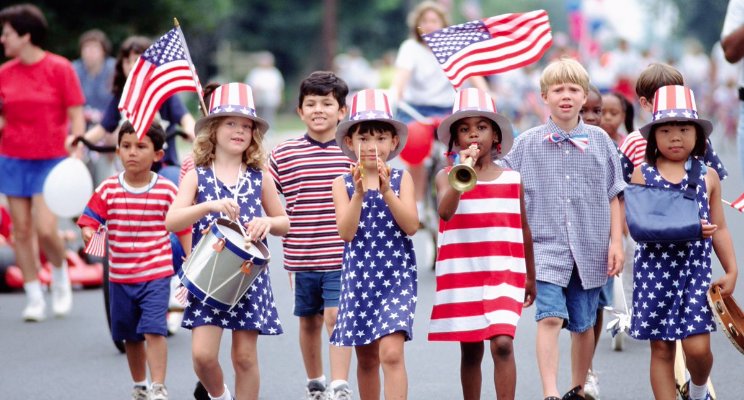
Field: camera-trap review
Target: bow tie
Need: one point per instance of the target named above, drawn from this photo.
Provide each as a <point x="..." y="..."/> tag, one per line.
<point x="580" y="140"/>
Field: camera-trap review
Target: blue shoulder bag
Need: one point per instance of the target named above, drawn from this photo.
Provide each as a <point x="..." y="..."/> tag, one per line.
<point x="660" y="215"/>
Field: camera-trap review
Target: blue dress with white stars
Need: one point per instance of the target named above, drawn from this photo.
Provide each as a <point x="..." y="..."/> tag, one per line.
<point x="670" y="280"/>
<point x="379" y="279"/>
<point x="257" y="309"/>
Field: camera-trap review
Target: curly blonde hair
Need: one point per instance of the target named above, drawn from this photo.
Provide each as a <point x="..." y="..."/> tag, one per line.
<point x="206" y="139"/>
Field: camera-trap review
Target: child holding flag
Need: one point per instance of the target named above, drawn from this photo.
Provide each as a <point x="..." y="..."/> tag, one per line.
<point x="131" y="206"/>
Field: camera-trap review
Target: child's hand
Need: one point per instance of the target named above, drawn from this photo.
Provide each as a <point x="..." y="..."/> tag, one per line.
<point x="357" y="176"/>
<point x="470" y="152"/>
<point x="258" y="228"/>
<point x="615" y="259"/>
<point x="727" y="283"/>
<point x="530" y="292"/>
<point x="708" y="229"/>
<point x="383" y="171"/>
<point x="87" y="233"/>
<point x="227" y="207"/>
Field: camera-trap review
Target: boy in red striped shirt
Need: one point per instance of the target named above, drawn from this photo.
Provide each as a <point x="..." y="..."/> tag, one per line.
<point x="132" y="205"/>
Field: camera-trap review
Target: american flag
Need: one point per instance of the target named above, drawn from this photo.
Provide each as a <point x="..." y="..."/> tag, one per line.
<point x="491" y="45"/>
<point x="739" y="203"/>
<point x="163" y="70"/>
<point x="97" y="245"/>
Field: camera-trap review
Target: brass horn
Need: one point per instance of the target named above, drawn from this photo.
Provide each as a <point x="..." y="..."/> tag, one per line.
<point x="462" y="176"/>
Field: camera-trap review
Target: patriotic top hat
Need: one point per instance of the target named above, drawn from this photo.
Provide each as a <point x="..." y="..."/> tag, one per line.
<point x="370" y="105"/>
<point x="472" y="102"/>
<point x="675" y="103"/>
<point x="233" y="100"/>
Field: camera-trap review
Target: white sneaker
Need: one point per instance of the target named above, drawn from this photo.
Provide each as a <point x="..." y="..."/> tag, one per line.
<point x="340" y="393"/>
<point x="158" y="392"/>
<point x="139" y="393"/>
<point x="174" y="320"/>
<point x="61" y="298"/>
<point x="35" y="310"/>
<point x="315" y="391"/>
<point x="591" y="386"/>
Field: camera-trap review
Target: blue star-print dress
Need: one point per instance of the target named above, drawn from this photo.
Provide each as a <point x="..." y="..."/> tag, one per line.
<point x="670" y="280"/>
<point x="257" y="309"/>
<point x="379" y="279"/>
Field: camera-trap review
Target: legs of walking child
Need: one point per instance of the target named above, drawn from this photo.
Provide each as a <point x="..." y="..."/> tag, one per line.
<point x="548" y="330"/>
<point x="388" y="353"/>
<point x="471" y="357"/>
<point x="699" y="361"/>
<point x="310" y="344"/>
<point x="505" y="368"/>
<point x="582" y="350"/>
<point x="205" y="346"/>
<point x="53" y="247"/>
<point x="662" y="369"/>
<point x="245" y="363"/>
<point x="340" y="356"/>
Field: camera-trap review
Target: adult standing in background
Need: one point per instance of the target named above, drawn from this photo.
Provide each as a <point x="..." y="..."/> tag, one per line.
<point x="95" y="69"/>
<point x="268" y="86"/>
<point x="420" y="82"/>
<point x="732" y="41"/>
<point x="41" y="100"/>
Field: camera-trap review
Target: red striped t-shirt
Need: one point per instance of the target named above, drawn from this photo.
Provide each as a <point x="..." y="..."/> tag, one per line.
<point x="139" y="244"/>
<point x="303" y="170"/>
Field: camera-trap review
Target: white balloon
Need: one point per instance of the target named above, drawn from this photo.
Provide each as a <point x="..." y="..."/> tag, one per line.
<point x="68" y="188"/>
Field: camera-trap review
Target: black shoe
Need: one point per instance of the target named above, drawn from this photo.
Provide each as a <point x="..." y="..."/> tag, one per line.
<point x="573" y="394"/>
<point x="552" y="398"/>
<point x="200" y="393"/>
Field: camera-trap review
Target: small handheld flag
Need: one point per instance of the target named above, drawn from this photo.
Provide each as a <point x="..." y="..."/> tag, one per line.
<point x="97" y="245"/>
<point x="490" y="45"/>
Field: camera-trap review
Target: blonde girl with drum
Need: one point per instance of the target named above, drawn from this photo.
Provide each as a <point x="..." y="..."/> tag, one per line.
<point x="229" y="182"/>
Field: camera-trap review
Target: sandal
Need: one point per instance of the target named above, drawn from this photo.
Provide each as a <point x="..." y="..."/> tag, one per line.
<point x="573" y="394"/>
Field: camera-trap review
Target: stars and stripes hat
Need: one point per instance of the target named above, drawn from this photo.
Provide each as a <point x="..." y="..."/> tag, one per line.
<point x="472" y="102"/>
<point x="370" y="105"/>
<point x="675" y="103"/>
<point x="233" y="100"/>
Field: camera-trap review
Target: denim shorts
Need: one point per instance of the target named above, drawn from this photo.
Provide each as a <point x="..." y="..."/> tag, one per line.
<point x="575" y="305"/>
<point x="316" y="291"/>
<point x="605" y="295"/>
<point x="24" y="178"/>
<point x="139" y="308"/>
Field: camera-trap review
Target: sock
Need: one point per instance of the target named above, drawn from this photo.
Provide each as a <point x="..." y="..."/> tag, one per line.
<point x="698" y="392"/>
<point x="141" y="383"/>
<point x="420" y="209"/>
<point x="336" y="383"/>
<point x="33" y="291"/>
<point x="321" y="379"/>
<point x="225" y="395"/>
<point x="59" y="274"/>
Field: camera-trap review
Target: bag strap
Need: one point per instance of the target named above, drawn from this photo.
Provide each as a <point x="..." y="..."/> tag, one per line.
<point x="693" y="179"/>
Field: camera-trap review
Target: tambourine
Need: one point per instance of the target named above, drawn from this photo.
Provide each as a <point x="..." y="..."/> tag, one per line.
<point x="729" y="316"/>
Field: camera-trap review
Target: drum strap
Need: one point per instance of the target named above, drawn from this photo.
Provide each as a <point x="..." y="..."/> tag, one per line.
<point x="238" y="185"/>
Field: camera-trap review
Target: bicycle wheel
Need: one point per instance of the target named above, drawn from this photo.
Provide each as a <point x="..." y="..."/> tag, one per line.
<point x="107" y="302"/>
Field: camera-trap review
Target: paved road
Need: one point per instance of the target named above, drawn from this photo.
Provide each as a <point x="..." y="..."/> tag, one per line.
<point x="74" y="357"/>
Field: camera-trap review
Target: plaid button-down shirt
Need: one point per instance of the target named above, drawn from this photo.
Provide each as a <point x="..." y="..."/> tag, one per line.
<point x="567" y="195"/>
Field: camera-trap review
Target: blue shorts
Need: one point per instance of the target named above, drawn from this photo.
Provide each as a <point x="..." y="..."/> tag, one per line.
<point x="24" y="178"/>
<point x="316" y="291"/>
<point x="605" y="295"/>
<point x="576" y="306"/>
<point x="139" y="308"/>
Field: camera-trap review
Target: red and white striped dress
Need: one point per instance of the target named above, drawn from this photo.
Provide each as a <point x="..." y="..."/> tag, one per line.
<point x="480" y="265"/>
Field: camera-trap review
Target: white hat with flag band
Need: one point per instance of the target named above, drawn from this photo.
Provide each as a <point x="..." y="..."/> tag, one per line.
<point x="370" y="105"/>
<point x="472" y="102"/>
<point x="233" y="100"/>
<point x="675" y="103"/>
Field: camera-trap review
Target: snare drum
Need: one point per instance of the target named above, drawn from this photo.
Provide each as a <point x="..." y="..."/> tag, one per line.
<point x="729" y="316"/>
<point x="220" y="269"/>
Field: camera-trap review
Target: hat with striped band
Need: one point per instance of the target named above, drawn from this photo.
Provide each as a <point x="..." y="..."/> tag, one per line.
<point x="233" y="100"/>
<point x="370" y="105"/>
<point x="472" y="102"/>
<point x="675" y="103"/>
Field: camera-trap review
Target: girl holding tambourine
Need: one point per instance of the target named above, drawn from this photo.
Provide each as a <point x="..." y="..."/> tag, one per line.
<point x="229" y="182"/>
<point x="671" y="278"/>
